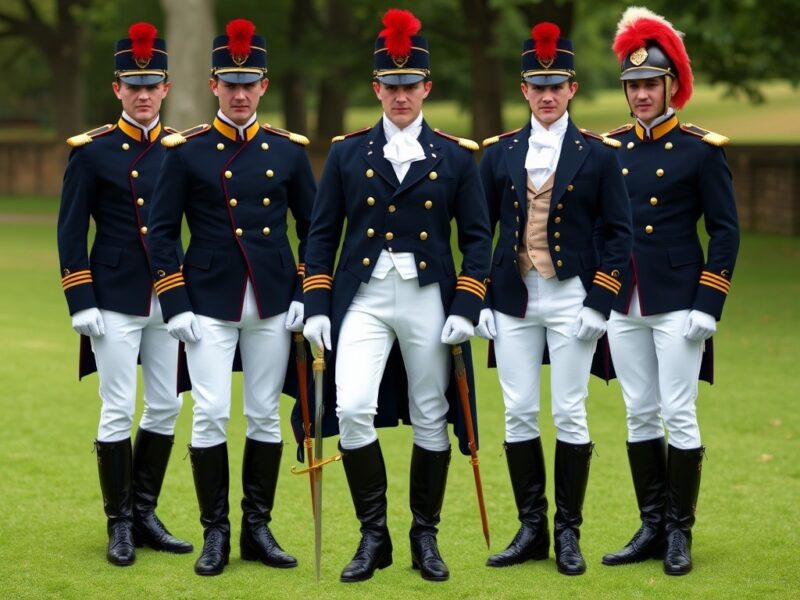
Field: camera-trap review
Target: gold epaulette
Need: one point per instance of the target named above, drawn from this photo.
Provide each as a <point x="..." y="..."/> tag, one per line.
<point x="84" y="138"/>
<point x="709" y="137"/>
<point x="344" y="136"/>
<point x="169" y="129"/>
<point x="176" y="139"/>
<point x="496" y="138"/>
<point x="618" y="131"/>
<point x="293" y="137"/>
<point x="463" y="142"/>
<point x="606" y="140"/>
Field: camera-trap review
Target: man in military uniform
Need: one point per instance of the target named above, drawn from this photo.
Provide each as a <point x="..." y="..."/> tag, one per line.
<point x="110" y="178"/>
<point x="398" y="184"/>
<point x="235" y="182"/>
<point x="671" y="297"/>
<point x="547" y="184"/>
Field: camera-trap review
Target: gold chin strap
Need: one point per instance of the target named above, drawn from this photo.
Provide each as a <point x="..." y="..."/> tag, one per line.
<point x="667" y="94"/>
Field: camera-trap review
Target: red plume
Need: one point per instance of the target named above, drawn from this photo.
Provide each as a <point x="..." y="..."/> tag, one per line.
<point x="545" y="35"/>
<point x="639" y="26"/>
<point x="142" y="36"/>
<point x="240" y="35"/>
<point x="399" y="26"/>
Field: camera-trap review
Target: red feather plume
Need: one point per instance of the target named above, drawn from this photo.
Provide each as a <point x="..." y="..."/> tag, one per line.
<point x="634" y="34"/>
<point x="142" y="36"/>
<point x="399" y="26"/>
<point x="240" y="35"/>
<point x="546" y="36"/>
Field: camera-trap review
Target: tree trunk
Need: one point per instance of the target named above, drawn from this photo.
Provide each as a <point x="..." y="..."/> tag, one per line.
<point x="486" y="70"/>
<point x="293" y="83"/>
<point x="190" y="30"/>
<point x="333" y="93"/>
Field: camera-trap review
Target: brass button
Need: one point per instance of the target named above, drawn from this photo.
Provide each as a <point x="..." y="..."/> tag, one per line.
<point x="228" y="174"/>
<point x="428" y="204"/>
<point x="653" y="200"/>
<point x="140" y="201"/>
<point x="66" y="271"/>
<point x="365" y="262"/>
<point x="371" y="201"/>
<point x="134" y="174"/>
<point x="392" y="208"/>
<point x="370" y="173"/>
<point x="220" y="146"/>
<point x="423" y="235"/>
<point x="517" y="217"/>
<point x="557" y="248"/>
<point x="161" y="273"/>
<point x="630" y="145"/>
<point x="559" y="263"/>
<point x="389" y="236"/>
<point x="625" y="171"/>
<point x="423" y="265"/>
<point x="559" y="206"/>
<point x="513" y="188"/>
<point x="668" y="146"/>
<point x="265" y="231"/>
<point x="233" y="202"/>
<point x="515" y="247"/>
<point x="265" y="146"/>
<point x="126" y="146"/>
<point x="557" y="220"/>
<point x="239" y="232"/>
<point x="516" y="234"/>
<point x="725" y="273"/>
<point x="557" y="234"/>
<point x="270" y="173"/>
<point x="265" y="201"/>
<point x="570" y="187"/>
<point x="659" y="172"/>
<point x="615" y="273"/>
<point x="143" y="230"/>
<point x="433" y="175"/>
<point x="370" y="232"/>
<point x="648" y="229"/>
<point x="516" y="204"/>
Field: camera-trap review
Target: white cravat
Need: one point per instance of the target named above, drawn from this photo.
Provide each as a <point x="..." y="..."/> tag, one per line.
<point x="146" y="129"/>
<point x="240" y="128"/>
<point x="544" y="148"/>
<point x="402" y="147"/>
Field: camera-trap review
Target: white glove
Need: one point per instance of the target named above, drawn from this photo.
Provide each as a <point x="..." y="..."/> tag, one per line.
<point x="89" y="322"/>
<point x="294" y="316"/>
<point x="486" y="327"/>
<point x="184" y="327"/>
<point x="590" y="325"/>
<point x="699" y="326"/>
<point x="318" y="331"/>
<point x="457" y="330"/>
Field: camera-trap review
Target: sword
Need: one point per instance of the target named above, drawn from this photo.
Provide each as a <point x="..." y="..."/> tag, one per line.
<point x="319" y="369"/>
<point x="302" y="382"/>
<point x="463" y="394"/>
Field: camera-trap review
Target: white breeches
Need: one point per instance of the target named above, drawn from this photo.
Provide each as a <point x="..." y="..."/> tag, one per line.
<point x="657" y="369"/>
<point x="264" y="346"/>
<point x="553" y="307"/>
<point x="384" y="310"/>
<point x="126" y="338"/>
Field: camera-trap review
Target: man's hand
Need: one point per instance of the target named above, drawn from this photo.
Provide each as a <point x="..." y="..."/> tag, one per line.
<point x="89" y="322"/>
<point x="294" y="316"/>
<point x="184" y="327"/>
<point x="486" y="326"/>
<point x="590" y="325"/>
<point x="457" y="330"/>
<point x="699" y="326"/>
<point x="318" y="331"/>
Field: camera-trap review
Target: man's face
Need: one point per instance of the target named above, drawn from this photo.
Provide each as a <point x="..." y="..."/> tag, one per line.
<point x="548" y="102"/>
<point x="402" y="103"/>
<point x="238" y="101"/>
<point x="141" y="102"/>
<point x="646" y="97"/>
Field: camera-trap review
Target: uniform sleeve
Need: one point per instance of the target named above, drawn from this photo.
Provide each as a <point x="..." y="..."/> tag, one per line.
<point x="474" y="241"/>
<point x="77" y="198"/>
<point x="493" y="198"/>
<point x="327" y="220"/>
<point x="166" y="215"/>
<point x="301" y="203"/>
<point x="615" y="229"/>
<point x="722" y="225"/>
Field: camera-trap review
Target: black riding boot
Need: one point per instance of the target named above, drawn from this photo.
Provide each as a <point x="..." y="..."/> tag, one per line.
<point x="571" y="478"/>
<point x="526" y="468"/>
<point x="366" y="476"/>
<point x="150" y="457"/>
<point x="259" y="479"/>
<point x="426" y="494"/>
<point x="648" y="462"/>
<point x="683" y="487"/>
<point x="211" y="481"/>
<point x="114" y="466"/>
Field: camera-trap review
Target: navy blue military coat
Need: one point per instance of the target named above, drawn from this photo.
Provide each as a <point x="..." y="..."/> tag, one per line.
<point x="110" y="179"/>
<point x="235" y="195"/>
<point x="674" y="178"/>
<point x="360" y="187"/>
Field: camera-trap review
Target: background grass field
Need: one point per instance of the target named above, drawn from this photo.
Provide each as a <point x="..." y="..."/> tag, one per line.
<point x="52" y="533"/>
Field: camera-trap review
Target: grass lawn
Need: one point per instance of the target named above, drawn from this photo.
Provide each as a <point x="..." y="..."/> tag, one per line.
<point x="52" y="539"/>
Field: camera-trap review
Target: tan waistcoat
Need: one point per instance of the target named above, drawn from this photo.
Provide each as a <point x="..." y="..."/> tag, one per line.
<point x="534" y="252"/>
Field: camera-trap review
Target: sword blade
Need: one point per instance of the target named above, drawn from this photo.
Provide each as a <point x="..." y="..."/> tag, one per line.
<point x="319" y="410"/>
